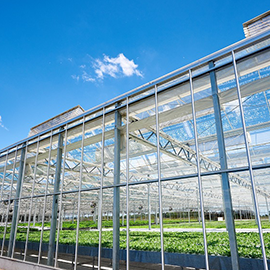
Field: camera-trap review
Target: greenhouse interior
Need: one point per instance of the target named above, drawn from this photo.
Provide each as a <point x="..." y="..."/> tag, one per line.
<point x="174" y="174"/>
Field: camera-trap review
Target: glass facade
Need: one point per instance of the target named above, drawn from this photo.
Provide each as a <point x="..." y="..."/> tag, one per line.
<point x="176" y="172"/>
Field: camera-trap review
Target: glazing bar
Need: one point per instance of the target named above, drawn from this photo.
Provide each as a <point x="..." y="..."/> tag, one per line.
<point x="159" y="183"/>
<point x="149" y="207"/>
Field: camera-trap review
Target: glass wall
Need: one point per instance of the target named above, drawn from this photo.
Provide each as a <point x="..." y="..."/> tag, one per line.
<point x="175" y="174"/>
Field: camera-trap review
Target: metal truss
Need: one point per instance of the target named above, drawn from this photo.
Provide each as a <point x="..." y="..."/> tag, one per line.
<point x="185" y="153"/>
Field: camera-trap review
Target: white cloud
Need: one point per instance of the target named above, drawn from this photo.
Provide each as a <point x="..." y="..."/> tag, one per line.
<point x="119" y="66"/>
<point x="102" y="68"/>
<point x="1" y="123"/>
<point x="114" y="67"/>
<point x="87" y="78"/>
<point x="75" y="77"/>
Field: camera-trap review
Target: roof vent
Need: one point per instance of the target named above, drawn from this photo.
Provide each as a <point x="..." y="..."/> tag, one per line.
<point x="257" y="24"/>
<point x="58" y="119"/>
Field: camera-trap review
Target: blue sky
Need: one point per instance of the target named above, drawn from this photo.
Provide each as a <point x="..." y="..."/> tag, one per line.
<point x="55" y="55"/>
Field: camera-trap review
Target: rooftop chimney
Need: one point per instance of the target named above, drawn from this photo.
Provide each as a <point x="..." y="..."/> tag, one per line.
<point x="257" y="24"/>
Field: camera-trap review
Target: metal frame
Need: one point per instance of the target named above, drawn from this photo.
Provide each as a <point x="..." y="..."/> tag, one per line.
<point x="151" y="153"/>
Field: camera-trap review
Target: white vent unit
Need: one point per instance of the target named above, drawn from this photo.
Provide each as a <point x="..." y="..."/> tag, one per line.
<point x="58" y="119"/>
<point x="257" y="24"/>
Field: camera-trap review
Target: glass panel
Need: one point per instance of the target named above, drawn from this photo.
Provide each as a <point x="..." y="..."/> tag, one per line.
<point x="144" y="201"/>
<point x="217" y="234"/>
<point x="206" y="125"/>
<point x="109" y="151"/>
<point x="73" y="160"/>
<point x="107" y="225"/>
<point x="231" y="120"/>
<point x="248" y="240"/>
<point x="202" y="87"/>
<point x="261" y="178"/>
<point x="176" y="132"/>
<point x="141" y="95"/>
<point x="254" y="74"/>
<point x="172" y="82"/>
<point x="88" y="233"/>
<point x="6" y="205"/>
<point x="142" y="142"/>
<point x="92" y="155"/>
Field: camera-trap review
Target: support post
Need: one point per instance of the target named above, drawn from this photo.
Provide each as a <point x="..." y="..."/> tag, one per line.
<point x="51" y="248"/>
<point x="116" y="192"/>
<point x="16" y="203"/>
<point x="149" y="208"/>
<point x="225" y="185"/>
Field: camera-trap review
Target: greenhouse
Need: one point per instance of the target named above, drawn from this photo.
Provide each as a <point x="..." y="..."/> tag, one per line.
<point x="173" y="173"/>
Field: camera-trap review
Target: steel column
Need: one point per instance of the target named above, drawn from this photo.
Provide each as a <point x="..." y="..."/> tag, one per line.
<point x="51" y="248"/>
<point x="116" y="191"/>
<point x="149" y="207"/>
<point x="225" y="184"/>
<point x="60" y="222"/>
<point x="100" y="198"/>
<point x="127" y="179"/>
<point x="16" y="202"/>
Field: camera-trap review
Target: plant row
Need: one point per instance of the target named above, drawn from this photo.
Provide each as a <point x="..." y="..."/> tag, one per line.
<point x="179" y="242"/>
